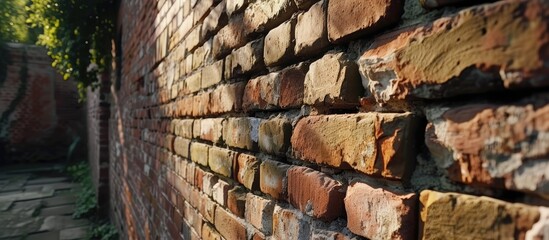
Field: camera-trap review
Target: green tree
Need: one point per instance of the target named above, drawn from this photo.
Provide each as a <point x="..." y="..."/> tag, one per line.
<point x="13" y="25"/>
<point x="77" y="34"/>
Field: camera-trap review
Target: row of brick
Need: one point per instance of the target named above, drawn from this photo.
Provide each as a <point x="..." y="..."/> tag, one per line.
<point x="372" y="210"/>
<point x="374" y="143"/>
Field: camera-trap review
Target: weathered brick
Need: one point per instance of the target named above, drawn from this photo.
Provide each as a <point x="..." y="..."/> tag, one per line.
<point x="189" y="64"/>
<point x="381" y="213"/>
<point x="209" y="233"/>
<point x="192" y="217"/>
<point x="228" y="225"/>
<point x="354" y="18"/>
<point x="208" y="183"/>
<point x="311" y="36"/>
<point x="236" y="201"/>
<point x="184" y="128"/>
<point x="263" y="15"/>
<point x="289" y="224"/>
<point x="181" y="146"/>
<point x="292" y="85"/>
<point x="315" y="193"/>
<point x="453" y="215"/>
<point x="202" y="55"/>
<point x="199" y="153"/>
<point x="274" y="136"/>
<point x="232" y="36"/>
<point x="207" y="208"/>
<point x="248" y="171"/>
<point x="193" y="40"/>
<point x="246" y="59"/>
<point x="333" y="81"/>
<point x="201" y="10"/>
<point x="210" y="129"/>
<point x="241" y="132"/>
<point x="212" y="74"/>
<point x="216" y="19"/>
<point x="220" y="192"/>
<point x="192" y="82"/>
<point x="493" y="144"/>
<point x="259" y="212"/>
<point x="235" y="6"/>
<point x="272" y="179"/>
<point x="279" y="44"/>
<point x="221" y="161"/>
<point x="371" y="143"/>
<point x="227" y="98"/>
<point x="200" y="105"/>
<point x="485" y="48"/>
<point x="304" y="4"/>
<point x="262" y="92"/>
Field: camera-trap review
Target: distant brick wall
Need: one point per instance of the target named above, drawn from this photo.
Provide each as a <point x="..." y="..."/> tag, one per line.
<point x="47" y="117"/>
<point x="332" y="119"/>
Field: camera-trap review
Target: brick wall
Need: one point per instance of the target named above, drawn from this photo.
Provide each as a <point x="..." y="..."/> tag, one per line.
<point x="332" y="119"/>
<point x="42" y="111"/>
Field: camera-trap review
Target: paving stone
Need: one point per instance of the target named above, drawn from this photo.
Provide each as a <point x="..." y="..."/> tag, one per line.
<point x="27" y="196"/>
<point x="59" y="200"/>
<point x="54" y="235"/>
<point x="5" y="205"/>
<point x="58" y="210"/>
<point x="47" y="180"/>
<point x="73" y="233"/>
<point x="14" y="225"/>
<point x="62" y="222"/>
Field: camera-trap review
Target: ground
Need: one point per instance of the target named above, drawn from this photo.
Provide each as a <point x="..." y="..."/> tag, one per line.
<point x="37" y="202"/>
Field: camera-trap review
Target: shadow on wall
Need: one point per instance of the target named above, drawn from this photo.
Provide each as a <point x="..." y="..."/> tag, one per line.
<point x="41" y="116"/>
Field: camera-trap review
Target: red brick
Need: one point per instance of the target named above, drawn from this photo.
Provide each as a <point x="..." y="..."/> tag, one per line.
<point x="367" y="142"/>
<point x="262" y="92"/>
<point x="227" y="98"/>
<point x="272" y="179"/>
<point x="259" y="212"/>
<point x="292" y="85"/>
<point x="236" y="201"/>
<point x="248" y="171"/>
<point x="484" y="50"/>
<point x="491" y="143"/>
<point x="201" y="105"/>
<point x="207" y="208"/>
<point x="315" y="193"/>
<point x="228" y="225"/>
<point x="353" y="18"/>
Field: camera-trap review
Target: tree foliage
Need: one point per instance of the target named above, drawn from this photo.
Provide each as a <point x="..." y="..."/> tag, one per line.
<point x="13" y="26"/>
<point x="77" y="34"/>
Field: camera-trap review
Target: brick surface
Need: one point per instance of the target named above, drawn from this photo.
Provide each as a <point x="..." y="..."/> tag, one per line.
<point x="333" y="81"/>
<point x="279" y="44"/>
<point x="236" y="201"/>
<point x="241" y="132"/>
<point x="491" y="143"/>
<point x="245" y="60"/>
<point x="289" y="224"/>
<point x="212" y="74"/>
<point x="210" y="129"/>
<point x="209" y="233"/>
<point x="262" y="92"/>
<point x="350" y="19"/>
<point x="227" y="98"/>
<point x="476" y="59"/>
<point x="274" y="136"/>
<point x="377" y="213"/>
<point x="228" y="225"/>
<point x="234" y="6"/>
<point x="181" y="146"/>
<point x="221" y="161"/>
<point x="292" y="85"/>
<point x="232" y="36"/>
<point x="259" y="212"/>
<point x="199" y="153"/>
<point x="184" y="128"/>
<point x="273" y="179"/>
<point x="216" y="19"/>
<point x="220" y="192"/>
<point x="366" y="142"/>
<point x="315" y="193"/>
<point x="311" y="36"/>
<point x="248" y="171"/>
<point x="263" y="15"/>
<point x="464" y="216"/>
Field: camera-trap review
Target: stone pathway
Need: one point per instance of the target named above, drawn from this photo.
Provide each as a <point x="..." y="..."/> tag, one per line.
<point x="37" y="202"/>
